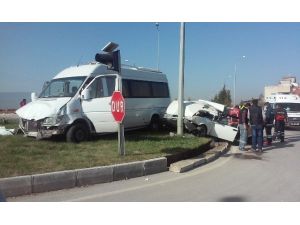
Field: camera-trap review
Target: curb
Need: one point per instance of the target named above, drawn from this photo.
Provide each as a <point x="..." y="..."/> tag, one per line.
<point x="209" y="156"/>
<point x="37" y="183"/>
<point x="25" y="185"/>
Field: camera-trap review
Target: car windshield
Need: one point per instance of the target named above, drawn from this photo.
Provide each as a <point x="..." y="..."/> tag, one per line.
<point x="63" y="87"/>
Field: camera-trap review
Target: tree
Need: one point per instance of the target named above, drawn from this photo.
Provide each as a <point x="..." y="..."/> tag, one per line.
<point x="223" y="97"/>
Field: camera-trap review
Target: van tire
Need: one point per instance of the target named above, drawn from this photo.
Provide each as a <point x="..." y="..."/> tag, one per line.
<point x="155" y="124"/>
<point x="77" y="133"/>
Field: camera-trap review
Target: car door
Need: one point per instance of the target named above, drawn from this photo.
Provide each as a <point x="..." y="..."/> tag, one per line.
<point x="223" y="131"/>
<point x="97" y="108"/>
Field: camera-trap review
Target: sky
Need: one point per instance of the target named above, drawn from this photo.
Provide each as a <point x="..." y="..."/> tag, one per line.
<point x="32" y="53"/>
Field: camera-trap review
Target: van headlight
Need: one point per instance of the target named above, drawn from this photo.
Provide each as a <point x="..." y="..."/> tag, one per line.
<point x="49" y="121"/>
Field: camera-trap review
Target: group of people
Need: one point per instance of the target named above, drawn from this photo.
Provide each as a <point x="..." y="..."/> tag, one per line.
<point x="258" y="119"/>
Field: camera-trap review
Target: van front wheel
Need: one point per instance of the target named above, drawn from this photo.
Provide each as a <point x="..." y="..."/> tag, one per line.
<point x="77" y="133"/>
<point x="155" y="124"/>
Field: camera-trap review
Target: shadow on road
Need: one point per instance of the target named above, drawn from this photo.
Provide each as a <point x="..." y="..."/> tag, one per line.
<point x="248" y="156"/>
<point x="233" y="199"/>
<point x="276" y="146"/>
<point x="245" y="155"/>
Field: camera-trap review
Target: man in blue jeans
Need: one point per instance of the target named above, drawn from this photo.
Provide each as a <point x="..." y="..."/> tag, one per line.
<point x="256" y="122"/>
<point x="243" y="125"/>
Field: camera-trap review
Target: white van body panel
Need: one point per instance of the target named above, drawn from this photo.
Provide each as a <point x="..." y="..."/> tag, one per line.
<point x="98" y="111"/>
<point x="83" y="70"/>
<point x="41" y="108"/>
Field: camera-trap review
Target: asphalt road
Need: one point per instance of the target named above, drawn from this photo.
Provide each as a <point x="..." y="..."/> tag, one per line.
<point x="236" y="176"/>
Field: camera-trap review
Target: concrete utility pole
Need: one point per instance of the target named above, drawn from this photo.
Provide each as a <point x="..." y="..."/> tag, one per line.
<point x="181" y="81"/>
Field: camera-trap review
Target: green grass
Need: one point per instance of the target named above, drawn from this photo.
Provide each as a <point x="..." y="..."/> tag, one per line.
<point x="9" y="124"/>
<point x="22" y="155"/>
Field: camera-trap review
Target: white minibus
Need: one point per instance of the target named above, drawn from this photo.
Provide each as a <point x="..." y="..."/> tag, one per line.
<point x="291" y="103"/>
<point x="76" y="102"/>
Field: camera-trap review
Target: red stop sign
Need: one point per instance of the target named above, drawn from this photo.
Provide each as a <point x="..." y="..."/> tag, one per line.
<point x="118" y="106"/>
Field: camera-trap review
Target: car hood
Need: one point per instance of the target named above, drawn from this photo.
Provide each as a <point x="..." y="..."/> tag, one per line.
<point x="193" y="107"/>
<point x="41" y="108"/>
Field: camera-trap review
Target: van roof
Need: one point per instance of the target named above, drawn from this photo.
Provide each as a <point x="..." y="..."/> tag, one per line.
<point x="98" y="69"/>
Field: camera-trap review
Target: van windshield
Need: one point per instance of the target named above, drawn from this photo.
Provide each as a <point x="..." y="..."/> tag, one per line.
<point x="63" y="87"/>
<point x="290" y="107"/>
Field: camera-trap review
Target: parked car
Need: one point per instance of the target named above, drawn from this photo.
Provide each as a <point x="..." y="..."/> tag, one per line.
<point x="203" y="118"/>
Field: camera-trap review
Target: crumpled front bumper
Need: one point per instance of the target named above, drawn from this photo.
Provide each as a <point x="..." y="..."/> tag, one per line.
<point x="35" y="129"/>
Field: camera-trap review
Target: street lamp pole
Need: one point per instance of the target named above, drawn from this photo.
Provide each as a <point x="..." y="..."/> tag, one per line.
<point x="157" y="28"/>
<point x="234" y="84"/>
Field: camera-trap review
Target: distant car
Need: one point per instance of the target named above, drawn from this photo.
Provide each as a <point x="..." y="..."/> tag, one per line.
<point x="203" y="118"/>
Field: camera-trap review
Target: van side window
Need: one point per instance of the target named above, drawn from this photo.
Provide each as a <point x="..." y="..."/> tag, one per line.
<point x="140" y="89"/>
<point x="102" y="87"/>
<point x="125" y="88"/>
<point x="160" y="90"/>
<point x="99" y="88"/>
<point x="93" y="89"/>
<point x="111" y="85"/>
<point x="144" y="89"/>
<point x="87" y="82"/>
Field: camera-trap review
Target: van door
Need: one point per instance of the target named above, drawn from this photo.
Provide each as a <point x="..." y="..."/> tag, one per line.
<point x="97" y="109"/>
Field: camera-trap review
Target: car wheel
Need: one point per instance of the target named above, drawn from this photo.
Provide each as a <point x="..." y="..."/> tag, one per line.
<point x="77" y="133"/>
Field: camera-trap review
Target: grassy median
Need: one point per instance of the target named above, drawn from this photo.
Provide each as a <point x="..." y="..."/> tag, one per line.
<point x="23" y="155"/>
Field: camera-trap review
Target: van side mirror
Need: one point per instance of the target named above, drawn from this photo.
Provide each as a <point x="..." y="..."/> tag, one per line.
<point x="85" y="94"/>
<point x="33" y="96"/>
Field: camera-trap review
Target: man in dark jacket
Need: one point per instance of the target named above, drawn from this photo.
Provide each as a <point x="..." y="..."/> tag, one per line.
<point x="269" y="120"/>
<point x="280" y="119"/>
<point x="243" y="125"/>
<point x="256" y="121"/>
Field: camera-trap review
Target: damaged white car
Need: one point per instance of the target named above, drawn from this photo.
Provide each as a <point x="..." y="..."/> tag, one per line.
<point x="203" y="118"/>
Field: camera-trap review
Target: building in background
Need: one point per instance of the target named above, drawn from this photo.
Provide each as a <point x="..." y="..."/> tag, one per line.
<point x="287" y="85"/>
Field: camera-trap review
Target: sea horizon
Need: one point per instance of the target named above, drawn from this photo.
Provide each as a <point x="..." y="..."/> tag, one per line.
<point x="11" y="100"/>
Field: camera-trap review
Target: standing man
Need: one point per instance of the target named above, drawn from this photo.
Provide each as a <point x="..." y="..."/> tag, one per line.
<point x="280" y="120"/>
<point x="269" y="120"/>
<point x="256" y="121"/>
<point x="243" y="125"/>
<point x="22" y="102"/>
